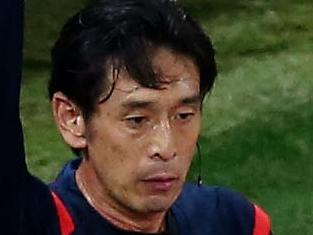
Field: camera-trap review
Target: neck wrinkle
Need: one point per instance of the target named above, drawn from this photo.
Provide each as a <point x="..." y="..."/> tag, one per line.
<point x="122" y="219"/>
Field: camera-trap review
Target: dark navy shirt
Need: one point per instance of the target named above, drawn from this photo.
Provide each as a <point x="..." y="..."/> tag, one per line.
<point x="198" y="210"/>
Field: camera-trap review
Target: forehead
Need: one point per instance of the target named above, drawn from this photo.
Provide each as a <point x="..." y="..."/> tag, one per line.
<point x="174" y="69"/>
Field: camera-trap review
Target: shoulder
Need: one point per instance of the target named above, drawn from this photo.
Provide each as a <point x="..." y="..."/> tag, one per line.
<point x="219" y="210"/>
<point x="215" y="199"/>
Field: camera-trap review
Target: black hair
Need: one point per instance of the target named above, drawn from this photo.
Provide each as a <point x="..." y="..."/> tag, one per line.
<point x="123" y="34"/>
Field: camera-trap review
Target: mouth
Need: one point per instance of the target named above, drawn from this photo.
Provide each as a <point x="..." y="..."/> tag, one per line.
<point x="160" y="182"/>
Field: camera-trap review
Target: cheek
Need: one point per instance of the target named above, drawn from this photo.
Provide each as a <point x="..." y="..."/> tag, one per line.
<point x="188" y="135"/>
<point x="116" y="155"/>
<point x="186" y="143"/>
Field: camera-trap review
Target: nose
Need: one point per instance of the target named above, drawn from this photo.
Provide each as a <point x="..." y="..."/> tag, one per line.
<point x="162" y="145"/>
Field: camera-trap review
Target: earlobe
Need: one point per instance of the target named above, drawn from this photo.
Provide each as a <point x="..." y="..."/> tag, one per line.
<point x="69" y="120"/>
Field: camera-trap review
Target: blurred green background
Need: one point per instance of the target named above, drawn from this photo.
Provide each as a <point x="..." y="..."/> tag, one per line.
<point x="258" y="123"/>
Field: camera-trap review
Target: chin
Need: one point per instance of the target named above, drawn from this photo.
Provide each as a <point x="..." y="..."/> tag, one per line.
<point x="156" y="206"/>
<point x="157" y="203"/>
<point x="154" y="202"/>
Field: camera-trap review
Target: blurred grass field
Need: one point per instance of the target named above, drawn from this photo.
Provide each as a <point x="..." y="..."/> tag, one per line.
<point x="258" y="122"/>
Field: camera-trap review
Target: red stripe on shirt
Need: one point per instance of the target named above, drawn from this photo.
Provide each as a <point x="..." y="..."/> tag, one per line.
<point x="65" y="219"/>
<point x="262" y="225"/>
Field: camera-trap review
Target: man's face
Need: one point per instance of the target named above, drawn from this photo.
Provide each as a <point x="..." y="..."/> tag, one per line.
<point x="141" y="141"/>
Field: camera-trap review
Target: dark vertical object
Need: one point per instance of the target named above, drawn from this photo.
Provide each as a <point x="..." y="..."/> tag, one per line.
<point x="12" y="164"/>
<point x="26" y="205"/>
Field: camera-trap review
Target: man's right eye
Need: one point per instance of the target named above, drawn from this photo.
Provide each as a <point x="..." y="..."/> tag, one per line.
<point x="136" y="121"/>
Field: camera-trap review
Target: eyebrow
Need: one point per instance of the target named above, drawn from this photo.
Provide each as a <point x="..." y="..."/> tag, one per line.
<point x="195" y="99"/>
<point x="133" y="104"/>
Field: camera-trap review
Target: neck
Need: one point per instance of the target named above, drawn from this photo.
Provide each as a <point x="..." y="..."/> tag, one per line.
<point x="116" y="214"/>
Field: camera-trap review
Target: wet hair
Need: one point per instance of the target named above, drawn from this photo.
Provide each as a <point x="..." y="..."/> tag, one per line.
<point x="110" y="35"/>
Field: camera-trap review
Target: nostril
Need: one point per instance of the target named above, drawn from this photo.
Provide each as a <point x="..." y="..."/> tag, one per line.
<point x="156" y="156"/>
<point x="174" y="155"/>
<point x="164" y="157"/>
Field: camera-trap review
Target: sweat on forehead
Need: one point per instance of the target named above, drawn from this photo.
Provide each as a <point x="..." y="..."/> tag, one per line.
<point x="135" y="87"/>
<point x="170" y="68"/>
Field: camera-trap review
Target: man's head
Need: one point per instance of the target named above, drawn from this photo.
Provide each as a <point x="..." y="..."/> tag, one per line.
<point x="124" y="34"/>
<point x="127" y="84"/>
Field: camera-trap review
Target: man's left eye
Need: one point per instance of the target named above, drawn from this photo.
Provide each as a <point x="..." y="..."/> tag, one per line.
<point x="185" y="116"/>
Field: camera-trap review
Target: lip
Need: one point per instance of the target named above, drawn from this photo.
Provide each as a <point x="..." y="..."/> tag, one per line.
<point x="160" y="182"/>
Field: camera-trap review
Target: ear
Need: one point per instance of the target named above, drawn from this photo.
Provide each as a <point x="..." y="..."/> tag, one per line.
<point x="69" y="120"/>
